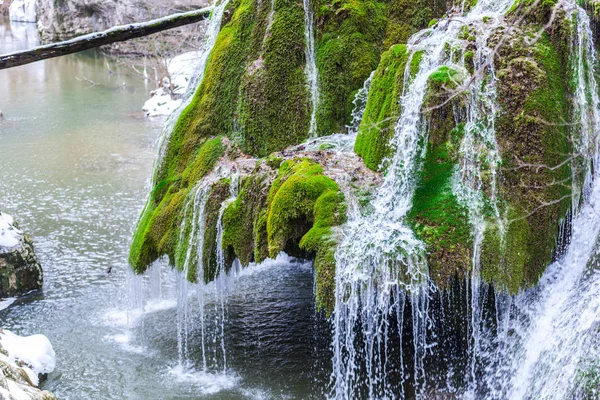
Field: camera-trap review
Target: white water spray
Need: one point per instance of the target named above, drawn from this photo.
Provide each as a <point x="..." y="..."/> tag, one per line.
<point x="548" y="335"/>
<point x="380" y="262"/>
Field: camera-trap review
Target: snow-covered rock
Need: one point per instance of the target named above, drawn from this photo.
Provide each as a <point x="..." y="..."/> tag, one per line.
<point x="23" y="359"/>
<point x="20" y="271"/>
<point x="164" y="100"/>
<point x="10" y="236"/>
<point x="23" y="11"/>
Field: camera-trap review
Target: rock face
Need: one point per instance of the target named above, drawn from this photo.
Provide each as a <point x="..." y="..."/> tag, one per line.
<point x="22" y="361"/>
<point x="63" y="19"/>
<point x="20" y="271"/>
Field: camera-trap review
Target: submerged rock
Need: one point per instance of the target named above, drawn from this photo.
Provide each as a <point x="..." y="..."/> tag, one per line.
<point x="20" y="270"/>
<point x="23" y="360"/>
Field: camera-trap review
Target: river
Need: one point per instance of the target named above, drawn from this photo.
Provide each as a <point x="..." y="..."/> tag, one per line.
<point x="76" y="155"/>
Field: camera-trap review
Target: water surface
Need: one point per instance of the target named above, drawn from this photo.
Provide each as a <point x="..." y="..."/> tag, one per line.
<point x="75" y="158"/>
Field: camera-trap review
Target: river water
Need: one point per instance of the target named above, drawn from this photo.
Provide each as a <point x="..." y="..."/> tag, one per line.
<point x="75" y="159"/>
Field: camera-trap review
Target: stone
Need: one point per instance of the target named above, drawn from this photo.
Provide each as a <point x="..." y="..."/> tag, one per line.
<point x="20" y="270"/>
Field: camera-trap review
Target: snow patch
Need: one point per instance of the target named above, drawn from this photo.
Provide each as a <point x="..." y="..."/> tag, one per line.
<point x="36" y="351"/>
<point x="10" y="236"/>
<point x="166" y="99"/>
<point x="22" y="11"/>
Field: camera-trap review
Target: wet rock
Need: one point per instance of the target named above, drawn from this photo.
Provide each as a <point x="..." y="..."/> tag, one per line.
<point x="20" y="270"/>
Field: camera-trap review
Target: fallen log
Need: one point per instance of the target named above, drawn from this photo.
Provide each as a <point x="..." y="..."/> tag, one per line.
<point x="97" y="39"/>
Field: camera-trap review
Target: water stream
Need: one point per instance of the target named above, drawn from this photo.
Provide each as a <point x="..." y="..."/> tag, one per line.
<point x="75" y="162"/>
<point x="312" y="73"/>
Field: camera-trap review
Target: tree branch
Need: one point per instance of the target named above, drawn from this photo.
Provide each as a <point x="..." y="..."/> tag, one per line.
<point x="97" y="39"/>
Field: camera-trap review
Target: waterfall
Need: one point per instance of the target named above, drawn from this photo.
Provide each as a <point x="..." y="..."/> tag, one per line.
<point x="223" y="280"/>
<point x="547" y="340"/>
<point x="380" y="263"/>
<point x="195" y="246"/>
<point x="360" y="104"/>
<point x="312" y="74"/>
<point x="191" y="237"/>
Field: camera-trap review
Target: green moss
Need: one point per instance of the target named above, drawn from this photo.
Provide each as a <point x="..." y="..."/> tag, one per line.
<point x="212" y="109"/>
<point x="303" y="209"/>
<point x="241" y="217"/>
<point x="274" y="109"/>
<point x="274" y="162"/>
<point x="261" y="237"/>
<point x="291" y="212"/>
<point x="349" y="42"/>
<point x="534" y="11"/>
<point x="437" y="216"/>
<point x="204" y="162"/>
<point x="407" y="17"/>
<point x="588" y="379"/>
<point x="443" y="79"/>
<point x="534" y="95"/>
<point x="218" y="194"/>
<point x="469" y="63"/>
<point x="383" y="108"/>
<point x="158" y="229"/>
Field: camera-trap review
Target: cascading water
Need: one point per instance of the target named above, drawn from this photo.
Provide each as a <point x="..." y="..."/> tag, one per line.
<point x="380" y="263"/>
<point x="223" y="279"/>
<point x="344" y="142"/>
<point x="360" y="104"/>
<point x="312" y="74"/>
<point x="548" y="335"/>
<point x="191" y="237"/>
<point x="195" y="246"/>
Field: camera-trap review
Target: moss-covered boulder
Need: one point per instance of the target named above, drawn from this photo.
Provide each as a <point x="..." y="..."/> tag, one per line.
<point x="535" y="180"/>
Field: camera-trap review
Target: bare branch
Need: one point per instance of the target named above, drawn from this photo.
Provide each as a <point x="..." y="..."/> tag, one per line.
<point x="112" y="35"/>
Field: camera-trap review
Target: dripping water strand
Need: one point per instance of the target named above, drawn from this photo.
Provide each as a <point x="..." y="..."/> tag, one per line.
<point x="222" y="277"/>
<point x="312" y="74"/>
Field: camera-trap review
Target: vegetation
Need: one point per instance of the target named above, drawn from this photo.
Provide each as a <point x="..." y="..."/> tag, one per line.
<point x="254" y="101"/>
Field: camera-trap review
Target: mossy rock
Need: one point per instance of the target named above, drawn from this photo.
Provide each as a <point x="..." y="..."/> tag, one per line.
<point x="214" y="105"/>
<point x="158" y="229"/>
<point x="349" y="42"/>
<point x="241" y="218"/>
<point x="407" y="17"/>
<point x="534" y="94"/>
<point x="219" y="192"/>
<point x="274" y="108"/>
<point x="383" y="107"/>
<point x="304" y="206"/>
<point x="532" y="11"/>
